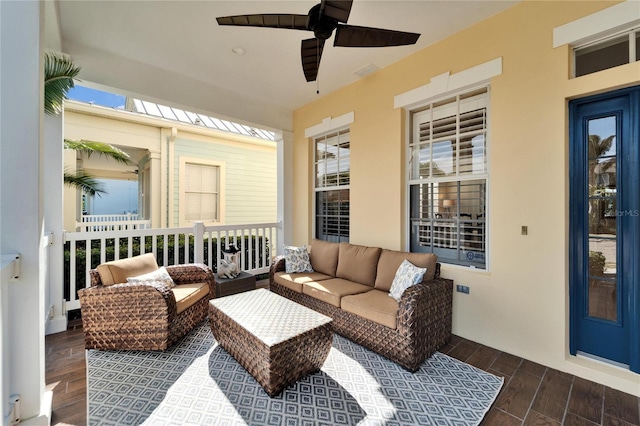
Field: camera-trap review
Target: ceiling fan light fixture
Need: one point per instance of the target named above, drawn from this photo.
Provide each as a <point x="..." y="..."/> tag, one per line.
<point x="238" y="50"/>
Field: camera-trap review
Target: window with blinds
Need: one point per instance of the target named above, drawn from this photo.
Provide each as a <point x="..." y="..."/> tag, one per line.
<point x="448" y="179"/>
<point x="332" y="166"/>
<point x="201" y="189"/>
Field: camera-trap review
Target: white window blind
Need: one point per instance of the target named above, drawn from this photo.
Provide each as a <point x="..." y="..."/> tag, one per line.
<point x="448" y="179"/>
<point x="201" y="192"/>
<point x="332" y="179"/>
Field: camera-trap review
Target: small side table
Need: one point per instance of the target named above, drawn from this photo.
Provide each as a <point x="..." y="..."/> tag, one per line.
<point x="227" y="286"/>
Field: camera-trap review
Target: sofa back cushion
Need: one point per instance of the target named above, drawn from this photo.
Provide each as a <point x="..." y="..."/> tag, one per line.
<point x="117" y="271"/>
<point x="390" y="261"/>
<point x="324" y="257"/>
<point x="358" y="263"/>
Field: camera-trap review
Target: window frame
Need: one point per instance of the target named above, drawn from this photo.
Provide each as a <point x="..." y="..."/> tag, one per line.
<point x="449" y="99"/>
<point x="315" y="139"/>
<point x="632" y="35"/>
<point x="182" y="190"/>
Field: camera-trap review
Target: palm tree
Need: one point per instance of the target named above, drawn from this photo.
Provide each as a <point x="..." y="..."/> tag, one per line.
<point x="59" y="74"/>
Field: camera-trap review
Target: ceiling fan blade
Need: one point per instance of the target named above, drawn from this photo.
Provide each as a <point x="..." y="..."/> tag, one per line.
<point x="311" y="53"/>
<point x="355" y="36"/>
<point x="272" y="20"/>
<point x="336" y="9"/>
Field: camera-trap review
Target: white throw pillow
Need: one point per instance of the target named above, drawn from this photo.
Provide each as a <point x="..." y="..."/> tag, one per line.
<point x="296" y="259"/>
<point x="159" y="274"/>
<point x="407" y="275"/>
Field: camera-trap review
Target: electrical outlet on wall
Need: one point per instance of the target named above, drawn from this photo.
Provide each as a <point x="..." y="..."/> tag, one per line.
<point x="462" y="289"/>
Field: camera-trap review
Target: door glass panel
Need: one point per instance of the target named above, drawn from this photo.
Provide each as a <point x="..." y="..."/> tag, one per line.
<point x="602" y="176"/>
<point x="602" y="217"/>
<point x="602" y="262"/>
<point x="602" y="299"/>
<point x="602" y="258"/>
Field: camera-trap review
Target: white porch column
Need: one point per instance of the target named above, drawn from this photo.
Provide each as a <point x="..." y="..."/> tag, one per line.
<point x="155" y="169"/>
<point x="54" y="308"/>
<point x="284" y="141"/>
<point x="21" y="202"/>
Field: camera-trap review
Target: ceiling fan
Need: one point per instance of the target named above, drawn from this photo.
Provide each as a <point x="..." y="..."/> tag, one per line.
<point x="322" y="19"/>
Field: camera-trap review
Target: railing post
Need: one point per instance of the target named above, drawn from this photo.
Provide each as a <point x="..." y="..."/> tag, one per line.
<point x="198" y="242"/>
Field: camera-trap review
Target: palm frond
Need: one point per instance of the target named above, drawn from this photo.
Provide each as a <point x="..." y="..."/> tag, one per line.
<point x="104" y="149"/>
<point x="81" y="180"/>
<point x="599" y="146"/>
<point x="59" y="73"/>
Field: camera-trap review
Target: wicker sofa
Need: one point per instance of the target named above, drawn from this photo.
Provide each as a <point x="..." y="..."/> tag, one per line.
<point x="351" y="284"/>
<point x="148" y="315"/>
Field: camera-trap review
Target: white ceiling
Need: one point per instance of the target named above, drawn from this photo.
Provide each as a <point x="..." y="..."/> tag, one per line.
<point x="174" y="52"/>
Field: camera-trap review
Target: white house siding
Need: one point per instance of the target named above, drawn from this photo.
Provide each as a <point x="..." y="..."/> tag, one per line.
<point x="250" y="164"/>
<point x="93" y="126"/>
<point x="250" y="181"/>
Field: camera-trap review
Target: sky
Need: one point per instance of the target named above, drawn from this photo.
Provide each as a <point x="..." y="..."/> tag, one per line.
<point x="96" y="97"/>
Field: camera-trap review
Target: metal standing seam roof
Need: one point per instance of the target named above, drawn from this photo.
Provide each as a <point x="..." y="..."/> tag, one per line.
<point x="188" y="117"/>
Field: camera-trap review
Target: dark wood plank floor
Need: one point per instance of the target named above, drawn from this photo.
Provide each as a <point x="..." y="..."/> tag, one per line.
<point x="536" y="395"/>
<point x="532" y="394"/>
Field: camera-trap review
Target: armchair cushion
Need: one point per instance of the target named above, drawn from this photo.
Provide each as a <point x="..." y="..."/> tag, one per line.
<point x="188" y="294"/>
<point x="117" y="271"/>
<point x="159" y="274"/>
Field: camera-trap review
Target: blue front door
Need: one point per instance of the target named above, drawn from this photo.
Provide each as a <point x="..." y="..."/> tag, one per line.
<point x="604" y="237"/>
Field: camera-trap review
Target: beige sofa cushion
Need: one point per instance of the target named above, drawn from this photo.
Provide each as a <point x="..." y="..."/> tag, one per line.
<point x="295" y="281"/>
<point x="331" y="291"/>
<point x="117" y="271"/>
<point x="188" y="294"/>
<point x="324" y="257"/>
<point x="374" y="305"/>
<point x="358" y="263"/>
<point x="390" y="261"/>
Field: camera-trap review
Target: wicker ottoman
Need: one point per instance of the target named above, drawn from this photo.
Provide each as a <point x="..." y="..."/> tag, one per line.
<point x="276" y="340"/>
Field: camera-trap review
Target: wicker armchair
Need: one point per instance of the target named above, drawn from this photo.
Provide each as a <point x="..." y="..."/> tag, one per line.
<point x="147" y="315"/>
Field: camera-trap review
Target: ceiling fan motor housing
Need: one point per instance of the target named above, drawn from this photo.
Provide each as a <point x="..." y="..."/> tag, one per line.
<point x="321" y="25"/>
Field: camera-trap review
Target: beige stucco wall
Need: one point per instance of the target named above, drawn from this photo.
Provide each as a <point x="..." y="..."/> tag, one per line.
<point x="520" y="304"/>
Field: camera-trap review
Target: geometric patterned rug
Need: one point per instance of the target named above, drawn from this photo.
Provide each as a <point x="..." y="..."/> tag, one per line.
<point x="196" y="382"/>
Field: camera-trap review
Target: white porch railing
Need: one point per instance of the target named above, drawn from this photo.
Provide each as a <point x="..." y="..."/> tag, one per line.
<point x="111" y="222"/>
<point x="172" y="246"/>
